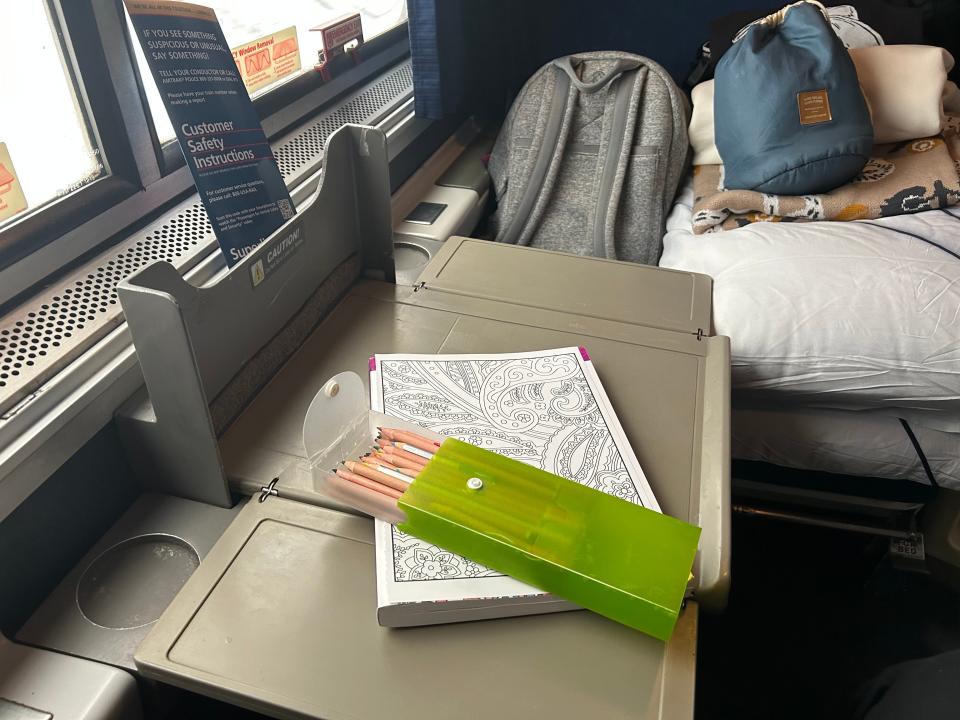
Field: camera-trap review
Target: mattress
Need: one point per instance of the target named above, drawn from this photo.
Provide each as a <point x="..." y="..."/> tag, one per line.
<point x="871" y="445"/>
<point x="838" y="316"/>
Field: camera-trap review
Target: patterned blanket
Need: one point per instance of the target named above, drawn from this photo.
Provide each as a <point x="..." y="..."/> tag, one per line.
<point x="900" y="178"/>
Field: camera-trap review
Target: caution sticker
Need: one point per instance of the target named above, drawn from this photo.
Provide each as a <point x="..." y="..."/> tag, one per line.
<point x="276" y="253"/>
<point x="267" y="59"/>
<point x="12" y="200"/>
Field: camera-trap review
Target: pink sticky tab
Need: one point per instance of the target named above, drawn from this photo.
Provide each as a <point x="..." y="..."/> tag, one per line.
<point x="584" y="354"/>
<point x="372" y="364"/>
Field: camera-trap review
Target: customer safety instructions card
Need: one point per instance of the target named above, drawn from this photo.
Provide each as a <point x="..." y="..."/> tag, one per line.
<point x="219" y="132"/>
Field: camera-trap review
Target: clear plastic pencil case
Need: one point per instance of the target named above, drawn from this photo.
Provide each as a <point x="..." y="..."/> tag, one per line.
<point x="603" y="553"/>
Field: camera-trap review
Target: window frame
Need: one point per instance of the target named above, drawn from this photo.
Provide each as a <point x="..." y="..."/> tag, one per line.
<point x="46" y="427"/>
<point x="121" y="178"/>
<point x="143" y="176"/>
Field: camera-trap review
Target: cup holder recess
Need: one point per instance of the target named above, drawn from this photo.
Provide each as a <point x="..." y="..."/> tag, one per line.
<point x="409" y="256"/>
<point x="130" y="584"/>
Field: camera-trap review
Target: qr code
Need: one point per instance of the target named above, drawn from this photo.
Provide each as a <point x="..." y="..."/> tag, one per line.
<point x="286" y="209"/>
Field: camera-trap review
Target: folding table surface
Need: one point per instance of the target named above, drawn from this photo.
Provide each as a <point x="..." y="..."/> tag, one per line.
<point x="281" y="618"/>
<point x="669" y="389"/>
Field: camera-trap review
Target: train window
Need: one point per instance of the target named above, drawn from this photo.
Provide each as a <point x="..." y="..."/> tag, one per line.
<point x="86" y="147"/>
<point x="48" y="150"/>
<point x="246" y="20"/>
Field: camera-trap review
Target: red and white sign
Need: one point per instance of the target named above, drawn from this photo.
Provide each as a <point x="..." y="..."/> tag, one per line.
<point x="266" y="60"/>
<point x="12" y="200"/>
<point x="335" y="35"/>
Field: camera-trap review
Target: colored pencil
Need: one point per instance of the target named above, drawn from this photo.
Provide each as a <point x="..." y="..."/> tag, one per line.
<point x="402" y="458"/>
<point x="379" y="460"/>
<point x="410" y="437"/>
<point x="367" y="483"/>
<point x="389" y="470"/>
<point x="368" y="472"/>
<point x="413" y="450"/>
<point x="378" y="504"/>
<point x="397" y="461"/>
<point x="406" y="447"/>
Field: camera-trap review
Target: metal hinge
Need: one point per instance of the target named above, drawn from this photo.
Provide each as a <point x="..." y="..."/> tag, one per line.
<point x="420" y="286"/>
<point x="699" y="333"/>
<point x="268" y="490"/>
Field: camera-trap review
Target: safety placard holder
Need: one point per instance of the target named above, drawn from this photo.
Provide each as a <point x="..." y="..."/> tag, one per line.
<point x="191" y="341"/>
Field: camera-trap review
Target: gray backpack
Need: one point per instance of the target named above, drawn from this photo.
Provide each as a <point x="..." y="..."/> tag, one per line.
<point x="590" y="156"/>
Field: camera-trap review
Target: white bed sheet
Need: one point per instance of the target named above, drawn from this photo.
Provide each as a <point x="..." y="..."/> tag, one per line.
<point x="848" y="443"/>
<point x="836" y="315"/>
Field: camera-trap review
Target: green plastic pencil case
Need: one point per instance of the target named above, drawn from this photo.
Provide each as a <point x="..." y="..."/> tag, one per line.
<point x="603" y="553"/>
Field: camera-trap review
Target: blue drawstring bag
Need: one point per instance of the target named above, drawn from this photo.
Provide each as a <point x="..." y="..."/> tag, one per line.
<point x="789" y="116"/>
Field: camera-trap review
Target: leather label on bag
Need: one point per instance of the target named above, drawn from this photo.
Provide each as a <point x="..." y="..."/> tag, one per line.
<point x="814" y="107"/>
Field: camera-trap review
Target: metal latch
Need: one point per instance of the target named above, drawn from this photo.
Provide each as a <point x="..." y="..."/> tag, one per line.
<point x="268" y="490"/>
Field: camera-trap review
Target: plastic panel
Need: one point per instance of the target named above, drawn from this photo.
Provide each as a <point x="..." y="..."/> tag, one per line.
<point x="281" y="618"/>
<point x="598" y="551"/>
<point x="191" y="341"/>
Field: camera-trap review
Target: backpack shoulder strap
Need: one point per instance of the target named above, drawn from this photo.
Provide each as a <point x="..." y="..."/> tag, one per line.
<point x="557" y="127"/>
<point x="679" y="151"/>
<point x="539" y="185"/>
<point x="614" y="160"/>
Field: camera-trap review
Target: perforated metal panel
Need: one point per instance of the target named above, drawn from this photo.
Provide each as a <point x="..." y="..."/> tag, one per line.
<point x="41" y="336"/>
<point x="300" y="152"/>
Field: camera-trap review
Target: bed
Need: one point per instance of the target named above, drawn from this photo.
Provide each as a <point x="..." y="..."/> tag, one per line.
<point x="845" y="341"/>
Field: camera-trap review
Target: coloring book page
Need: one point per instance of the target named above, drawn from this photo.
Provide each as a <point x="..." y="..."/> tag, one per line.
<point x="544" y="408"/>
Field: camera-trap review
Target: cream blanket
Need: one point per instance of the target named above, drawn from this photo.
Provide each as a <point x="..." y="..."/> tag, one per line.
<point x="900" y="178"/>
